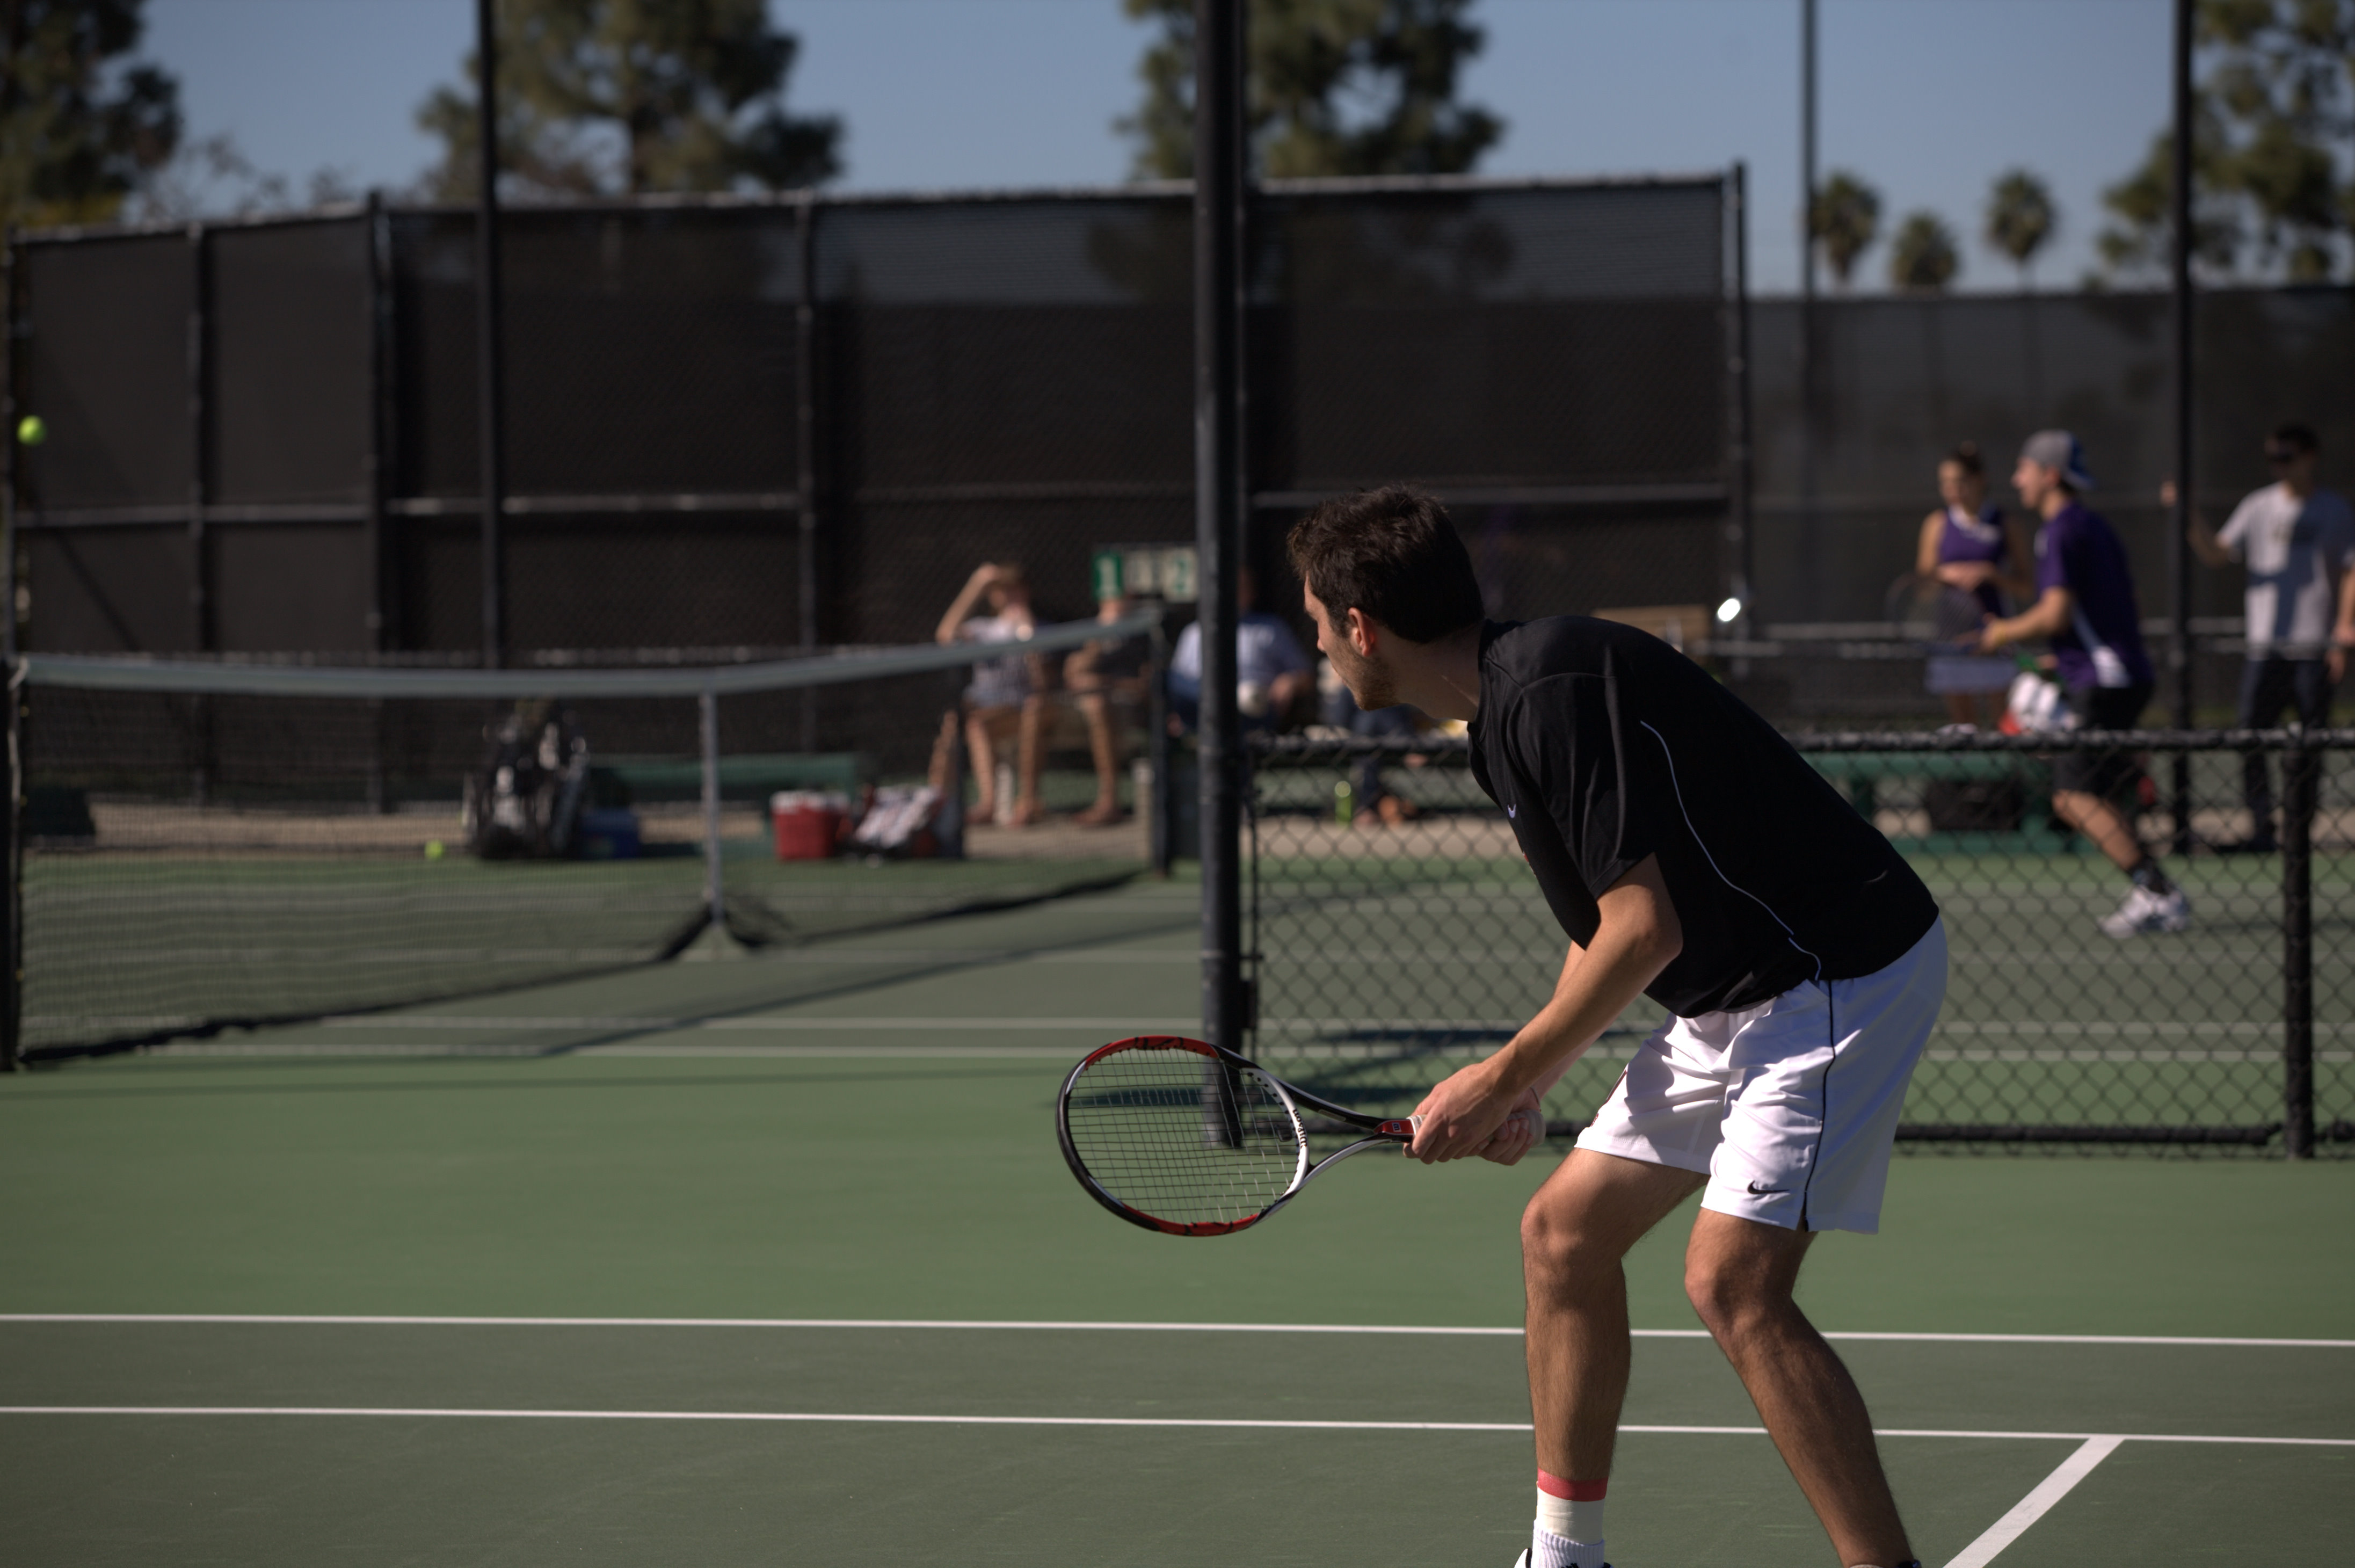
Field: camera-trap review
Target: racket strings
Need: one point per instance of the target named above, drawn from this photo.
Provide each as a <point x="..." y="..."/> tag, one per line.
<point x="1180" y="1137"/>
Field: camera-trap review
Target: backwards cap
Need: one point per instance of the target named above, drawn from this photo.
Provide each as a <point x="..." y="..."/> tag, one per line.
<point x="2059" y="451"/>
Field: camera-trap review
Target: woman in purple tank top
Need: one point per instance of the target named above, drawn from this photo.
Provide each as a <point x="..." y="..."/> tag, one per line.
<point x="1977" y="555"/>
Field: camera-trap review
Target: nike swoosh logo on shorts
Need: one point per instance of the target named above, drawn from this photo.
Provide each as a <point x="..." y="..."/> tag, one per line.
<point x="1758" y="1191"/>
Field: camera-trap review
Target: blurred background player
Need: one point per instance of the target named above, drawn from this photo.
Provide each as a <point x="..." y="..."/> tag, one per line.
<point x="1371" y="803"/>
<point x="1271" y="672"/>
<point x="1976" y="554"/>
<point x="2085" y="610"/>
<point x="2298" y="543"/>
<point x="1004" y="700"/>
<point x="1107" y="680"/>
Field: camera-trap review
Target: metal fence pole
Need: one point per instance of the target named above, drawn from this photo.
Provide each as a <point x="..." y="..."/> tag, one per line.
<point x="489" y="366"/>
<point x="1738" y="527"/>
<point x="2179" y="551"/>
<point x="1160" y="831"/>
<point x="2300" y="766"/>
<point x="806" y="448"/>
<point x="1218" y="176"/>
<point x="714" y="889"/>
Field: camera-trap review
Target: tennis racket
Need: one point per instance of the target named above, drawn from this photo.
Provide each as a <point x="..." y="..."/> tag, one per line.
<point x="1932" y="614"/>
<point x="1193" y="1140"/>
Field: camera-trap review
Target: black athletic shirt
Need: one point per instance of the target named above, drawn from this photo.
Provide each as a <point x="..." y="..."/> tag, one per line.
<point x="1604" y="745"/>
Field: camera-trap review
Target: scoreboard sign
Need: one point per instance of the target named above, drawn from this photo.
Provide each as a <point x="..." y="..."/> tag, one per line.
<point x="1144" y="571"/>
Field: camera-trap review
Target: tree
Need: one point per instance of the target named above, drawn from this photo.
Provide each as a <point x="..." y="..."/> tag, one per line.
<point x="609" y="97"/>
<point x="1843" y="218"/>
<point x="1923" y="256"/>
<point x="1338" y="87"/>
<point x="78" y="129"/>
<point x="2276" y="96"/>
<point x="211" y="176"/>
<point x="2020" y="217"/>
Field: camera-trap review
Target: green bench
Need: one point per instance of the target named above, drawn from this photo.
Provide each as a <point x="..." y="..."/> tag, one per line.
<point x="1859" y="775"/>
<point x="753" y="776"/>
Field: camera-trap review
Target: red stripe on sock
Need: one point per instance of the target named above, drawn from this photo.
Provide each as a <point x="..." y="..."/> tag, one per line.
<point x="1554" y="1486"/>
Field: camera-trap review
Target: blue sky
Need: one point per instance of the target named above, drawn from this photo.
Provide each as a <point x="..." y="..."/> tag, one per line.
<point x="1929" y="99"/>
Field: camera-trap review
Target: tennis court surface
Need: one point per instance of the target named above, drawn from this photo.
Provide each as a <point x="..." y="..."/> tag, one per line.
<point x="775" y="1261"/>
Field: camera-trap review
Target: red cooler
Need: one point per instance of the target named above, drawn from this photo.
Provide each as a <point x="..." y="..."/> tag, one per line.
<point x="809" y="822"/>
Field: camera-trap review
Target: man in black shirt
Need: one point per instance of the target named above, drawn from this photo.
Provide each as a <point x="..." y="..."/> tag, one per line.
<point x="1692" y="857"/>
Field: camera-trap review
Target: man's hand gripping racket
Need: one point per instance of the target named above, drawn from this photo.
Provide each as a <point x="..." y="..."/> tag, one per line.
<point x="1193" y="1140"/>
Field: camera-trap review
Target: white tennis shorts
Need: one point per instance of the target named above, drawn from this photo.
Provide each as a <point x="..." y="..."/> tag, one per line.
<point x="1789" y="1107"/>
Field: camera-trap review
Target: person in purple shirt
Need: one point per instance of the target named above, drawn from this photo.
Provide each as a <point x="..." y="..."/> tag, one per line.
<point x="2085" y="611"/>
<point x="1978" y="556"/>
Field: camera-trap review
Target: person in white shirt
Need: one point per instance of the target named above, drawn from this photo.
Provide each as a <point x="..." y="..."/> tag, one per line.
<point x="1271" y="672"/>
<point x="2298" y="543"/>
<point x="1004" y="701"/>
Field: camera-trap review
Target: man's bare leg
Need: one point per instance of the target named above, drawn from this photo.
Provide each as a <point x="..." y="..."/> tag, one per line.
<point x="981" y="751"/>
<point x="1739" y="1275"/>
<point x="1574" y="1234"/>
<point x="1103" y="751"/>
<point x="2098" y="820"/>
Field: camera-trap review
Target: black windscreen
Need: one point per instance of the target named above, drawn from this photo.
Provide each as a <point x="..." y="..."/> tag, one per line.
<point x="289" y="347"/>
<point x="107" y="370"/>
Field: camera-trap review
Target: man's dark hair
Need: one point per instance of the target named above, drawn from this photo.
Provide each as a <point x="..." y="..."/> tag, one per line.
<point x="2298" y="437"/>
<point x="1393" y="554"/>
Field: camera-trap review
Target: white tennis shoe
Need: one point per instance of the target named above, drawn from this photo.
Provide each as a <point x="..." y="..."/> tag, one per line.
<point x="2144" y="912"/>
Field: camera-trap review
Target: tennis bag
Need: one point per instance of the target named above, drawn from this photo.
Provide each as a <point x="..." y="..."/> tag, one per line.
<point x="525" y="800"/>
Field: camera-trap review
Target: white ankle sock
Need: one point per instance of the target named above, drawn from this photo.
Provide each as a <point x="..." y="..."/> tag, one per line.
<point x="1547" y="1550"/>
<point x="1568" y="1529"/>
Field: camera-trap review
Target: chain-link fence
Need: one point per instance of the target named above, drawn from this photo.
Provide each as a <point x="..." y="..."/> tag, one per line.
<point x="1396" y="934"/>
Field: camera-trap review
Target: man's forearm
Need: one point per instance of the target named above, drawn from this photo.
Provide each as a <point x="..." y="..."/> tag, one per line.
<point x="1596" y="986"/>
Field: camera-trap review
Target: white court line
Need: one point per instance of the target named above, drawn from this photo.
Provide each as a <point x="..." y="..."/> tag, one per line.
<point x="2034" y="1506"/>
<point x="1186" y="1423"/>
<point x="1077" y="1325"/>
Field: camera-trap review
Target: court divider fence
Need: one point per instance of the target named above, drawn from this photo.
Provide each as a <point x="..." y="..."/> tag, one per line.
<point x="200" y="847"/>
<point x="1395" y="934"/>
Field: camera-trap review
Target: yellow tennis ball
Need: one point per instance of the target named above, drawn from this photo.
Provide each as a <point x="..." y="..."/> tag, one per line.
<point x="433" y="849"/>
<point x="31" y="431"/>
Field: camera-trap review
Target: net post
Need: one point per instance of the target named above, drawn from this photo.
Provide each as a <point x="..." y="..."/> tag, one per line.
<point x="2298" y="770"/>
<point x="1219" y="153"/>
<point x="12" y="899"/>
<point x="10" y="471"/>
<point x="714" y="890"/>
<point x="489" y="368"/>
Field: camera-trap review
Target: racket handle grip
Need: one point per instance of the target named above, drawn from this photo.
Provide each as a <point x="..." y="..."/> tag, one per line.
<point x="1399" y="1129"/>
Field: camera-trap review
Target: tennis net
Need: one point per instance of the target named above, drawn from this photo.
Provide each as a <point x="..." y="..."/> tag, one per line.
<point x="205" y="846"/>
<point x="1391" y="943"/>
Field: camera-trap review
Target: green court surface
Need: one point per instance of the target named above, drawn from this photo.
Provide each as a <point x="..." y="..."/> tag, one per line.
<point x="775" y="1261"/>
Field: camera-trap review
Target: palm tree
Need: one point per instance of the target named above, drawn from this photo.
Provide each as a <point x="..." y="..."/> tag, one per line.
<point x="2020" y="217"/>
<point x="1843" y="217"/>
<point x="1921" y="257"/>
